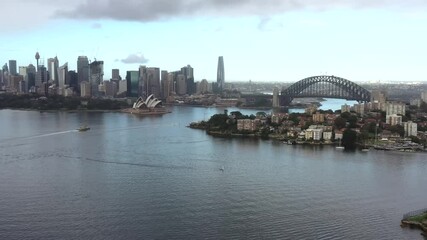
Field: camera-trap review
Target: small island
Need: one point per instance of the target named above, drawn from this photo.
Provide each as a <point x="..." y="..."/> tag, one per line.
<point x="417" y="219"/>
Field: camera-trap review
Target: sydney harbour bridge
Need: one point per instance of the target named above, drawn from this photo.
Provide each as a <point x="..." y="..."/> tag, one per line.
<point x="324" y="86"/>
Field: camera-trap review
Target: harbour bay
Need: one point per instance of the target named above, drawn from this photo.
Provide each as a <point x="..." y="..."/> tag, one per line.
<point x="152" y="177"/>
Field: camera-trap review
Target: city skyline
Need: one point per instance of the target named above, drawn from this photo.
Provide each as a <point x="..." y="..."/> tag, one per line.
<point x="274" y="41"/>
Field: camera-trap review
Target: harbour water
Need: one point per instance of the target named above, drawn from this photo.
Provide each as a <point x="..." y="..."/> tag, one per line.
<point x="151" y="177"/>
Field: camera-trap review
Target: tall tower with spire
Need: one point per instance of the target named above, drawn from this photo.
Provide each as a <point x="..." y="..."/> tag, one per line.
<point x="220" y="74"/>
<point x="37" y="59"/>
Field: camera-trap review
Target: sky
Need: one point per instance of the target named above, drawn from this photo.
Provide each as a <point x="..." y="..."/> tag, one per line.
<point x="260" y="40"/>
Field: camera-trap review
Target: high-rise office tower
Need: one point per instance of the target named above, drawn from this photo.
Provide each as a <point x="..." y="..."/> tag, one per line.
<point x="31" y="72"/>
<point x="188" y="72"/>
<point x="181" y="85"/>
<point x="72" y="80"/>
<point x="143" y="82"/>
<point x="220" y="79"/>
<point x="132" y="79"/>
<point x="115" y="74"/>
<point x="41" y="80"/>
<point x="96" y="76"/>
<point x="164" y="83"/>
<point x="12" y="68"/>
<point x="153" y="80"/>
<point x="52" y="68"/>
<point x="82" y="69"/>
<point x="62" y="78"/>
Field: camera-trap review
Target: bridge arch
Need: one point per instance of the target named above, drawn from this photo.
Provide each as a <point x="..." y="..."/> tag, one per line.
<point x="324" y="86"/>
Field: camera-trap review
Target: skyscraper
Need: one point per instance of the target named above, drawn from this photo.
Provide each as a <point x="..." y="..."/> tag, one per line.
<point x="188" y="72"/>
<point x="153" y="77"/>
<point x="52" y="68"/>
<point x="12" y="68"/>
<point x="82" y="69"/>
<point x="62" y="78"/>
<point x="96" y="76"/>
<point x="220" y="79"/>
<point x="132" y="79"/>
<point x="115" y="74"/>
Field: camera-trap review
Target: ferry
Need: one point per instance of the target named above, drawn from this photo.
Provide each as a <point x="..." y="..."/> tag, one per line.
<point x="83" y="128"/>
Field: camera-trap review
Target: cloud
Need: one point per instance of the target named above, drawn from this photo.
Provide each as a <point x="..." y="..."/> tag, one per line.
<point x="155" y="10"/>
<point x="135" y="58"/>
<point x="96" y="26"/>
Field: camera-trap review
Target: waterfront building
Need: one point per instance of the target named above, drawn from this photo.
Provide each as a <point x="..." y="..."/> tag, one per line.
<point x="132" y="79"/>
<point x="327" y="136"/>
<point x="248" y="124"/>
<point x="345" y="108"/>
<point x="410" y="129"/>
<point x="314" y="132"/>
<point x="394" y="119"/>
<point x="318" y="117"/>
<point x="398" y="108"/>
<point x="82" y="69"/>
<point x="276" y="99"/>
<point x="62" y="74"/>
<point x="220" y="79"/>
<point x="338" y="135"/>
<point x="12" y="68"/>
<point x="85" y="90"/>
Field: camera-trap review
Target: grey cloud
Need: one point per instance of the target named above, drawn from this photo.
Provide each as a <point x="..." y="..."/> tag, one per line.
<point x="154" y="10"/>
<point x="135" y="58"/>
<point x="96" y="26"/>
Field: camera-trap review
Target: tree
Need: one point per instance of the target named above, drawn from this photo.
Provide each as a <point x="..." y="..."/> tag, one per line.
<point x="349" y="139"/>
<point x="397" y="129"/>
<point x="340" y="122"/>
<point x="352" y="120"/>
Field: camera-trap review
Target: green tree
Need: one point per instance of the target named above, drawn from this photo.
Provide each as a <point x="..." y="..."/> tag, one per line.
<point x="397" y="129"/>
<point x="349" y="139"/>
<point x="340" y="122"/>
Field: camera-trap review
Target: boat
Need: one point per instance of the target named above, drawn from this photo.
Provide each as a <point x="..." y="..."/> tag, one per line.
<point x="365" y="149"/>
<point x="83" y="128"/>
<point x="339" y="145"/>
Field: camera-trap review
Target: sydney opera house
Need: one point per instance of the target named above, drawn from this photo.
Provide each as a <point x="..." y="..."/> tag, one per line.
<point x="149" y="106"/>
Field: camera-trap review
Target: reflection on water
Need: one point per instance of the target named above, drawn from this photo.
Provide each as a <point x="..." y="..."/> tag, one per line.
<point x="154" y="178"/>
